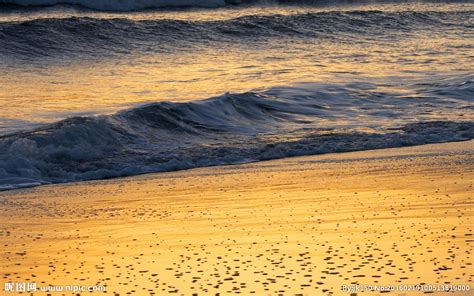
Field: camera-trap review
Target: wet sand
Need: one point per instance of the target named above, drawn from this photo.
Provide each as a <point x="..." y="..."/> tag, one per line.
<point x="304" y="225"/>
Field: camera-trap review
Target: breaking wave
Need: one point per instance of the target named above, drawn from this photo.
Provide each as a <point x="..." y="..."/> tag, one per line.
<point x="234" y="128"/>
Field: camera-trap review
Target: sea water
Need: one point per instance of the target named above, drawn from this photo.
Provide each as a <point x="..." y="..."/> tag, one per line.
<point x="101" y="89"/>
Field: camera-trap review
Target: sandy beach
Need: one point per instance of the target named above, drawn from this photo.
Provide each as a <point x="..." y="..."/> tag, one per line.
<point x="304" y="225"/>
<point x="221" y="147"/>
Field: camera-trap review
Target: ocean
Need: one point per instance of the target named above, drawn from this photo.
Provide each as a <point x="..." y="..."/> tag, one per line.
<point x="102" y="89"/>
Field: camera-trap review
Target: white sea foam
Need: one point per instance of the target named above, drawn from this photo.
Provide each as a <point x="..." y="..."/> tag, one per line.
<point x="233" y="128"/>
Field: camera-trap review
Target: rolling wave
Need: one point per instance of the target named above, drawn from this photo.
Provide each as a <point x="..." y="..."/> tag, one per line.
<point x="235" y="128"/>
<point x="75" y="36"/>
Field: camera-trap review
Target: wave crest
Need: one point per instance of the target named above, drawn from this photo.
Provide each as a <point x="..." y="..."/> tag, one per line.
<point x="79" y="36"/>
<point x="232" y="128"/>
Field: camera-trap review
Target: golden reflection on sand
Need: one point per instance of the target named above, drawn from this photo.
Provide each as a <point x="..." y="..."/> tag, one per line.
<point x="303" y="225"/>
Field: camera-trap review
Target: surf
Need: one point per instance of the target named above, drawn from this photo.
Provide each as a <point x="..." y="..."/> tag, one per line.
<point x="79" y="36"/>
<point x="232" y="128"/>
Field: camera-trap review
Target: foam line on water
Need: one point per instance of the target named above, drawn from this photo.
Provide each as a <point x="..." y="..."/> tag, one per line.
<point x="234" y="128"/>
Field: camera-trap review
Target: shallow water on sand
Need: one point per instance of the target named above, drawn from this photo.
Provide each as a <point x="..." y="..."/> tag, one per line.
<point x="400" y="217"/>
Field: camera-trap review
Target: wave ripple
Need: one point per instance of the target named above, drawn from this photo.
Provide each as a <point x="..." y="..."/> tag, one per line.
<point x="78" y="36"/>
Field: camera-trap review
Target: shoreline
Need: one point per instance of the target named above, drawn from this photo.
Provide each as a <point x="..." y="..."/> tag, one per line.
<point x="300" y="225"/>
